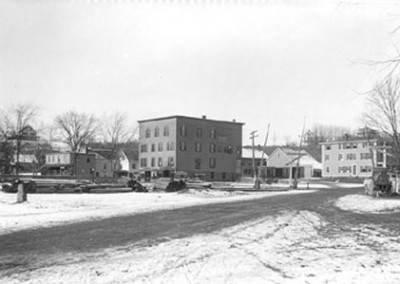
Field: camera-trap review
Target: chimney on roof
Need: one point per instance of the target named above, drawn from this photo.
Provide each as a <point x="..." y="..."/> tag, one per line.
<point x="204" y="117"/>
<point x="234" y="120"/>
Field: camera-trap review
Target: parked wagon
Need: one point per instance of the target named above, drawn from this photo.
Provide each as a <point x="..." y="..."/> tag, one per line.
<point x="379" y="184"/>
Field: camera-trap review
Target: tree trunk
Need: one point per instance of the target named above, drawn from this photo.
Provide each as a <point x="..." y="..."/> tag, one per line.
<point x="75" y="159"/>
<point x="17" y="161"/>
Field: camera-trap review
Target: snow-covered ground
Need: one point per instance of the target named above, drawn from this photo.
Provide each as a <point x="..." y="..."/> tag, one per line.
<point x="368" y="204"/>
<point x="44" y="210"/>
<point x="288" y="248"/>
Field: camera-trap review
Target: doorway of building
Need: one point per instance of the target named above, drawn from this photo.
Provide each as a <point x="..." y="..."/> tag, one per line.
<point x="147" y="176"/>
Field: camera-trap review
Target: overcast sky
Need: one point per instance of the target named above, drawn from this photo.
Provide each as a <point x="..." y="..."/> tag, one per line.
<point x="258" y="62"/>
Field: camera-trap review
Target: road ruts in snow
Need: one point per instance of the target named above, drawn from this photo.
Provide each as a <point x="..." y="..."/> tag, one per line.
<point x="292" y="239"/>
<point x="286" y="247"/>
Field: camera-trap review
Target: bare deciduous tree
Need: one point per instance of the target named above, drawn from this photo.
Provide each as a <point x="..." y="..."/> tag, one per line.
<point x="116" y="132"/>
<point x="322" y="132"/>
<point x="12" y="124"/>
<point x="77" y="129"/>
<point x="383" y="106"/>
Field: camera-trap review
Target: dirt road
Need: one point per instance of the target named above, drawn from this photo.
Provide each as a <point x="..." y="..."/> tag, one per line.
<point x="18" y="250"/>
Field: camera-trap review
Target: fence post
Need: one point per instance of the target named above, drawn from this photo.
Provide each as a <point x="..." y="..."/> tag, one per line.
<point x="21" y="194"/>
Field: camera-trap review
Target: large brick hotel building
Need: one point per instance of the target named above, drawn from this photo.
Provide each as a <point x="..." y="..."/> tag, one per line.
<point x="197" y="146"/>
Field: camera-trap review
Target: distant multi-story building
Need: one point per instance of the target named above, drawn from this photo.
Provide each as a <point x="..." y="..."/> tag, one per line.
<point x="352" y="158"/>
<point x="197" y="146"/>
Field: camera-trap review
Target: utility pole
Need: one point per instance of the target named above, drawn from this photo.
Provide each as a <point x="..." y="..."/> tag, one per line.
<point x="296" y="176"/>
<point x="257" y="184"/>
<point x="252" y="137"/>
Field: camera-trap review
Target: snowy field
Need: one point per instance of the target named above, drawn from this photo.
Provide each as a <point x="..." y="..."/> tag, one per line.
<point x="291" y="247"/>
<point x="44" y="210"/>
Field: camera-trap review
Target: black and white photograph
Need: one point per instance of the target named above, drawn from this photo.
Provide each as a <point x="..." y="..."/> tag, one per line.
<point x="199" y="141"/>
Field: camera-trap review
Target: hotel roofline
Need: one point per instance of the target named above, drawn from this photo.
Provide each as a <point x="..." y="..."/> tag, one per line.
<point x="189" y="117"/>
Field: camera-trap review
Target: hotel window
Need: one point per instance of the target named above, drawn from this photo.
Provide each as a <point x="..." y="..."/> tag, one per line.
<point x="156" y="132"/>
<point x="143" y="148"/>
<point x="239" y="151"/>
<point x="197" y="147"/>
<point x="327" y="157"/>
<point x="153" y="147"/>
<point x="228" y="149"/>
<point x="328" y="147"/>
<point x="365" y="156"/>
<point x="160" y="162"/>
<point x="199" y="132"/>
<point x="148" y="131"/>
<point x="182" y="130"/>
<point x="223" y="175"/>
<point x="170" y="146"/>
<point x="197" y="164"/>
<point x="344" y="170"/>
<point x="212" y="133"/>
<point x="166" y="131"/>
<point x="340" y="157"/>
<point x="160" y="147"/>
<point x="212" y="163"/>
<point x="143" y="162"/>
<point x="327" y="170"/>
<point x="212" y="148"/>
<point x="153" y="162"/>
<point x="351" y="156"/>
<point x="211" y="175"/>
<point x="182" y="146"/>
<point x="350" y="146"/>
<point x="379" y="157"/>
<point x="365" y="169"/>
<point x="170" y="161"/>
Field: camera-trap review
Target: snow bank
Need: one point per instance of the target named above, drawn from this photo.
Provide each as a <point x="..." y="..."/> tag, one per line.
<point x="368" y="204"/>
